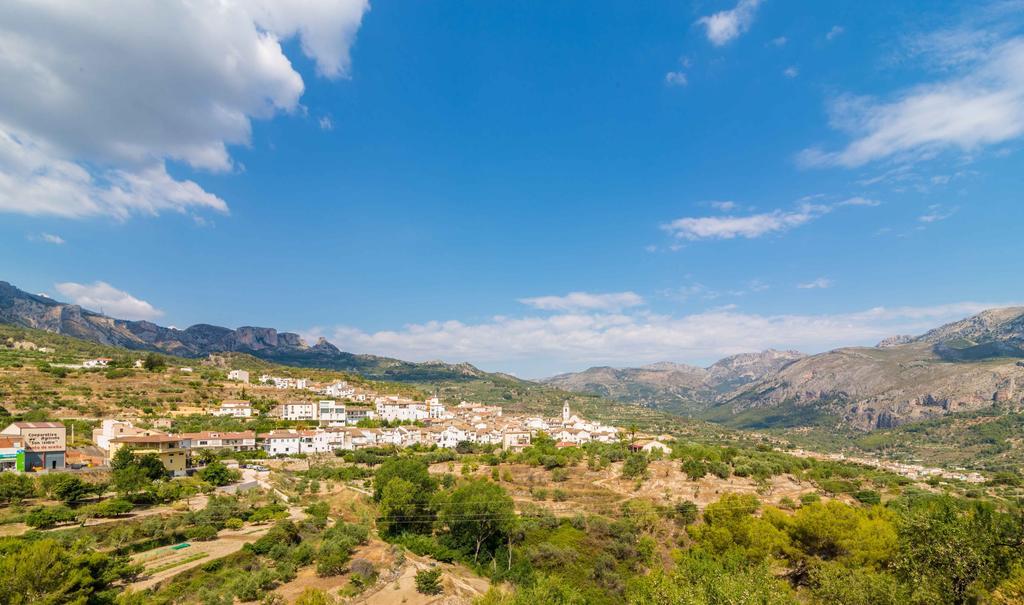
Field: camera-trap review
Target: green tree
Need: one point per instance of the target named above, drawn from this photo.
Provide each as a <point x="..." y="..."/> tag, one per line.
<point x="15" y="487"/>
<point x="217" y="474"/>
<point x="412" y="470"/>
<point x="947" y="547"/>
<point x="695" y="469"/>
<point x="45" y="572"/>
<point x="635" y="466"/>
<point x="71" y="489"/>
<point x="404" y="508"/>
<point x="154" y="362"/>
<point x="479" y="516"/>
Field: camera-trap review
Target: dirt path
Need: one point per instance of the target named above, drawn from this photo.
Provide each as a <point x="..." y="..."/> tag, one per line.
<point x="461" y="586"/>
<point x="197" y="553"/>
<point x="227" y="542"/>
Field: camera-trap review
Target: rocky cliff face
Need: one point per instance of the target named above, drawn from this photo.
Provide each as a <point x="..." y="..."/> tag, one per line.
<point x="29" y="310"/>
<point x="962" y="366"/>
<point x="672" y="386"/>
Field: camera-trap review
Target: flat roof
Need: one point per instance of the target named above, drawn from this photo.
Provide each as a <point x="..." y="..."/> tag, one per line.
<point x="38" y="425"/>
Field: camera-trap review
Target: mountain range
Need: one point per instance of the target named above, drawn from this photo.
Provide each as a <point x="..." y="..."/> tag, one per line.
<point x="963" y="366"/>
<point x="679" y="388"/>
<point x="40" y="312"/>
<point x="968" y="365"/>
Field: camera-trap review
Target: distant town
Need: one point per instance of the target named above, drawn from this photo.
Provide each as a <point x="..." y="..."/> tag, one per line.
<point x="352" y="418"/>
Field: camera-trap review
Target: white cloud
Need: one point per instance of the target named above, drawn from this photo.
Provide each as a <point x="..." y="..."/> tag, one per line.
<point x="725" y="206"/>
<point x="791" y="72"/>
<point x="750" y="227"/>
<point x="101" y="296"/>
<point x="109" y="91"/>
<point x="780" y="41"/>
<point x="983" y="105"/>
<point x="756" y="225"/>
<point x="48" y="238"/>
<point x="585" y="301"/>
<point x="835" y="32"/>
<point x="936" y="213"/>
<point x="676" y="78"/>
<point x="819" y="284"/>
<point x="725" y="26"/>
<point x="326" y="123"/>
<point x="545" y="345"/>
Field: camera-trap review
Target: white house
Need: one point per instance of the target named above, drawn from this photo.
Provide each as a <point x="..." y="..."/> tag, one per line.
<point x="391" y="409"/>
<point x="315" y="442"/>
<point x="354" y="415"/>
<point x="341" y="390"/>
<point x="243" y="441"/>
<point x="331" y="412"/>
<point x="515" y="440"/>
<point x="99" y="362"/>
<point x="282" y="442"/>
<point x="114" y="429"/>
<point x="650" y="445"/>
<point x="235" y="409"/>
<point x="239" y="376"/>
<point x="298" y="411"/>
<point x="451" y="436"/>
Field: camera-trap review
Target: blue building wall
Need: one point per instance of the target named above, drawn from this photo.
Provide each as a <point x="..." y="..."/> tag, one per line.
<point x="48" y="460"/>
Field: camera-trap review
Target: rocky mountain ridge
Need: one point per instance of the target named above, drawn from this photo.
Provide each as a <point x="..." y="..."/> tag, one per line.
<point x="680" y="388"/>
<point x="967" y="365"/>
<point x="33" y="311"/>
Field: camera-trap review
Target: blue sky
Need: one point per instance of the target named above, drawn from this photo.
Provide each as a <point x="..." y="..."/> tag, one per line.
<point x="534" y="188"/>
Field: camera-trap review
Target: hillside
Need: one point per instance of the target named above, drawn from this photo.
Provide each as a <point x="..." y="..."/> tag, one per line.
<point x="963" y="366"/>
<point x="678" y="388"/>
<point x="31" y="311"/>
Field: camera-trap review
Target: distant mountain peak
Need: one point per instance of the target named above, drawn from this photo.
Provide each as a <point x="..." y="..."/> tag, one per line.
<point x="200" y="340"/>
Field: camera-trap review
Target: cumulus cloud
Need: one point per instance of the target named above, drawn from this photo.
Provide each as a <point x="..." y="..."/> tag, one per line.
<point x="585" y="301"/>
<point x="791" y="72"/>
<point x="101" y="296"/>
<point x="980" y="106"/>
<point x="725" y="26"/>
<point x="818" y="284"/>
<point x="724" y="206"/>
<point x="546" y="345"/>
<point x="108" y="92"/>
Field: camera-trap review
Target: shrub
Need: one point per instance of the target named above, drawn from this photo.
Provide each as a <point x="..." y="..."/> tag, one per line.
<point x="428" y="581"/>
<point x="234" y="523"/>
<point x="809" y="498"/>
<point x="685" y="512"/>
<point x="42" y="517"/>
<point x="110" y="508"/>
<point x="201" y="533"/>
<point x="867" y="496"/>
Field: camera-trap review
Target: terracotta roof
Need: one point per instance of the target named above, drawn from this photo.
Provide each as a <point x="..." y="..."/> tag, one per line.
<point x="148" y="439"/>
<point x="282" y="435"/>
<point x="219" y="435"/>
<point x="7" y="442"/>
